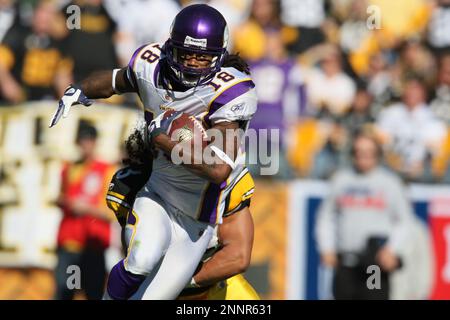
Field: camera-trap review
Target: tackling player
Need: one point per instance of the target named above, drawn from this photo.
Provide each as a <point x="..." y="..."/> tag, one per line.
<point x="218" y="276"/>
<point x="174" y="214"/>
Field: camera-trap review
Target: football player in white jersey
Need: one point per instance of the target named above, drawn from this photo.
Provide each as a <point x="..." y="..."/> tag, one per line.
<point x="218" y="277"/>
<point x="176" y="211"/>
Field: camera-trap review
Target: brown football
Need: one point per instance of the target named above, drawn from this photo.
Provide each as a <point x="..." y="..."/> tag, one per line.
<point x="185" y="127"/>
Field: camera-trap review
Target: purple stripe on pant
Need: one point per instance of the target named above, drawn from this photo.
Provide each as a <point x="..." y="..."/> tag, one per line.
<point x="121" y="283"/>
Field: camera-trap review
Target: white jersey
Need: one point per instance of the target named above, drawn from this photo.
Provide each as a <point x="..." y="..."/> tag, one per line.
<point x="230" y="96"/>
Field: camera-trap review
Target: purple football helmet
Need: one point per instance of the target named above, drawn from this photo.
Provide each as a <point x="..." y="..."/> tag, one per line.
<point x="197" y="29"/>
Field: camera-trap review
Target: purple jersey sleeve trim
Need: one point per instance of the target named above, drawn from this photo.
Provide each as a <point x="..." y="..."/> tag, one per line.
<point x="131" y="76"/>
<point x="227" y="96"/>
<point x="133" y="57"/>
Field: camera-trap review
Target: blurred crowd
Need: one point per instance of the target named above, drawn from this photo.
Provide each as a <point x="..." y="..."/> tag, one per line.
<point x="325" y="70"/>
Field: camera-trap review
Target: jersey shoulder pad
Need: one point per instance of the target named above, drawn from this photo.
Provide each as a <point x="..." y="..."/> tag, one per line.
<point x="234" y="99"/>
<point x="145" y="61"/>
<point x="228" y="77"/>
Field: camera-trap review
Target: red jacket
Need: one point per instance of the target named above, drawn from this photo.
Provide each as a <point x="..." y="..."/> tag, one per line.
<point x="86" y="182"/>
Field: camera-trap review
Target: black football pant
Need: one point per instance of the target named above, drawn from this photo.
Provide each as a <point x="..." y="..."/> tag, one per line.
<point x="93" y="273"/>
<point x="350" y="283"/>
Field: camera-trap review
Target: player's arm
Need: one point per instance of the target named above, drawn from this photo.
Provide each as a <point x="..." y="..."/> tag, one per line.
<point x="236" y="237"/>
<point x="219" y="167"/>
<point x="230" y="114"/>
<point x="99" y="85"/>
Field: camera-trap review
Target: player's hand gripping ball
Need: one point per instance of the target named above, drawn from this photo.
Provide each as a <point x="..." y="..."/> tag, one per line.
<point x="179" y="126"/>
<point x="186" y="128"/>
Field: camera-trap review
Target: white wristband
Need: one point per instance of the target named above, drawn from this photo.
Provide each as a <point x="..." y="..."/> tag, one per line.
<point x="114" y="74"/>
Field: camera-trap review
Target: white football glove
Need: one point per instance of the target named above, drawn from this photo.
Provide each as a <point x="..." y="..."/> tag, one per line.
<point x="161" y="124"/>
<point x="72" y="96"/>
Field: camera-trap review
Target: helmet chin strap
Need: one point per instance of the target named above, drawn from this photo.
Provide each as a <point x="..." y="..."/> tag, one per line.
<point x="182" y="79"/>
<point x="190" y="83"/>
<point x="173" y="80"/>
<point x="195" y="82"/>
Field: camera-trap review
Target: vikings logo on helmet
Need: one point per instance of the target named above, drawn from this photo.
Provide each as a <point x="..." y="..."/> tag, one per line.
<point x="197" y="29"/>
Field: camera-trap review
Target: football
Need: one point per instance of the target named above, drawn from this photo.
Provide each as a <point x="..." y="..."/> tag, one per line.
<point x="185" y="128"/>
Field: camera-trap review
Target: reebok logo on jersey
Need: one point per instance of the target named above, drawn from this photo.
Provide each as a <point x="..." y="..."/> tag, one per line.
<point x="201" y="43"/>
<point x="238" y="107"/>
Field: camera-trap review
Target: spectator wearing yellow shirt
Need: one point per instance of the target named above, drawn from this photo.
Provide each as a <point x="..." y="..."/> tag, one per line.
<point x="356" y="39"/>
<point x="250" y="38"/>
<point x="402" y="19"/>
<point x="392" y="22"/>
<point x="33" y="65"/>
